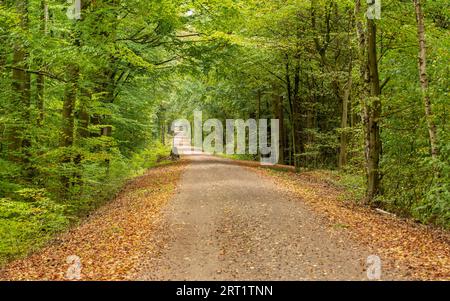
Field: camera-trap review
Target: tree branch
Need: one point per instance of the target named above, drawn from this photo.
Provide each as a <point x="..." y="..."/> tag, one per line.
<point x="385" y="83"/>
<point x="39" y="72"/>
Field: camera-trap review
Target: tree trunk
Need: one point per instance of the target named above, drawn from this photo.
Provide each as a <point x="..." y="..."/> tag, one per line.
<point x="40" y="86"/>
<point x="422" y="60"/>
<point x="3" y="54"/>
<point x="83" y="115"/>
<point x="258" y="117"/>
<point x="40" y="81"/>
<point x="68" y="123"/>
<point x="373" y="139"/>
<point x="282" y="133"/>
<point x="370" y="103"/>
<point x="293" y="112"/>
<point x="297" y="132"/>
<point x="278" y="113"/>
<point x="344" y="122"/>
<point x="68" y="116"/>
<point x="21" y="85"/>
<point x="162" y="125"/>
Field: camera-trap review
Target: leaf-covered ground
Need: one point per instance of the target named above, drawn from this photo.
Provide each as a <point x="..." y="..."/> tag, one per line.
<point x="111" y="241"/>
<point x="423" y="251"/>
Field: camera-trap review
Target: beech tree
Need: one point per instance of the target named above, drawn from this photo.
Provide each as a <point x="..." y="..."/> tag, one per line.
<point x="422" y="61"/>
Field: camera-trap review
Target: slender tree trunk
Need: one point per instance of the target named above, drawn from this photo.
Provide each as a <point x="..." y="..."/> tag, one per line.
<point x="370" y="102"/>
<point x="3" y="54"/>
<point x="40" y="86"/>
<point x="282" y="133"/>
<point x="162" y="125"/>
<point x="373" y="139"/>
<point x="293" y="112"/>
<point x="83" y="115"/>
<point x="422" y="60"/>
<point x="297" y="131"/>
<point x="21" y="85"/>
<point x="344" y="122"/>
<point x="68" y="112"/>
<point x="298" y="109"/>
<point x="82" y="129"/>
<point x="258" y="117"/>
<point x="68" y="123"/>
<point x="40" y="81"/>
<point x="310" y="113"/>
<point x="67" y="136"/>
<point x="278" y="113"/>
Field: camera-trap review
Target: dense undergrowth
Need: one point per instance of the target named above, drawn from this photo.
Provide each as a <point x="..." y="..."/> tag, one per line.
<point x="31" y="216"/>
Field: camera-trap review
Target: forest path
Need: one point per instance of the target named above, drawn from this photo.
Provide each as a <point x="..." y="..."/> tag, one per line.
<point x="226" y="222"/>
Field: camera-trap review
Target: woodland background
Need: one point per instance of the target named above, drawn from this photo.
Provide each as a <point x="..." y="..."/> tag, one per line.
<point x="86" y="104"/>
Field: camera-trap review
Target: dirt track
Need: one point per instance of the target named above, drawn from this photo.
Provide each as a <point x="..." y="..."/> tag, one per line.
<point x="228" y="223"/>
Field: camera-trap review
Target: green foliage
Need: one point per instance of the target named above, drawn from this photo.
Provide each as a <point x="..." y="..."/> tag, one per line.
<point x="120" y="61"/>
<point x="26" y="225"/>
<point x="244" y="157"/>
<point x="154" y="155"/>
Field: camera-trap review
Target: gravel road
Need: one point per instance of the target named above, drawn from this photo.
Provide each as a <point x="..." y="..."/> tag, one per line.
<point x="227" y="223"/>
